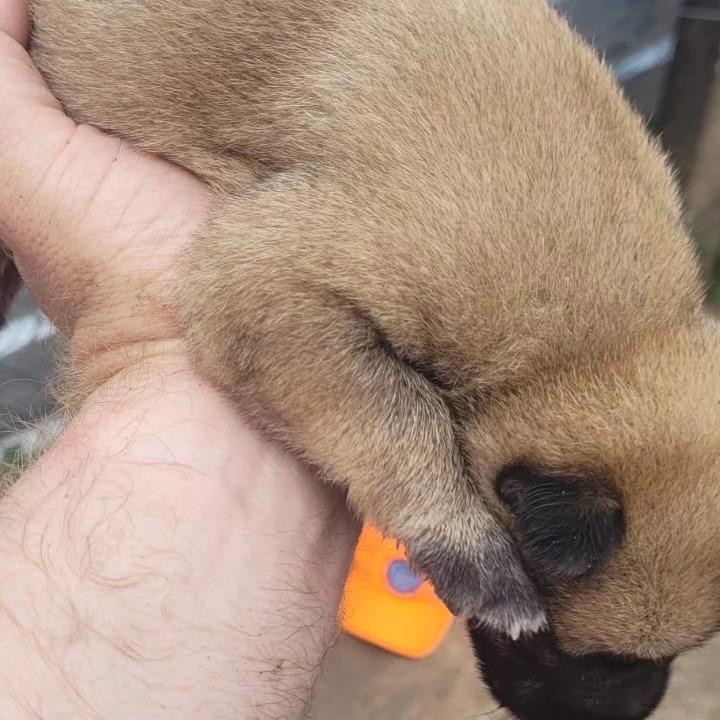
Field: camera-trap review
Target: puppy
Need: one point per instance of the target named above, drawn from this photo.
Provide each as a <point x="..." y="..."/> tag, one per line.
<point x="447" y="266"/>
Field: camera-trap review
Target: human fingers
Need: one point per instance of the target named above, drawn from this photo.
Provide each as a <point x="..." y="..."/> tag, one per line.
<point x="15" y="20"/>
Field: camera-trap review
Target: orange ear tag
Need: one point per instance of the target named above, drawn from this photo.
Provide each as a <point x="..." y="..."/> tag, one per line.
<point x="388" y="605"/>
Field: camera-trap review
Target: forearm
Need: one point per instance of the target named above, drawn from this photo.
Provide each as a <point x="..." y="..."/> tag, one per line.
<point x="148" y="572"/>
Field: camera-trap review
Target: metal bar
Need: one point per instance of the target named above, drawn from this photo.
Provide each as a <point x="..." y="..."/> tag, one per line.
<point x="689" y="86"/>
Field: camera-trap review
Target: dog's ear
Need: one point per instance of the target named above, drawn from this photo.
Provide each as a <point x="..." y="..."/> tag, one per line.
<point x="568" y="524"/>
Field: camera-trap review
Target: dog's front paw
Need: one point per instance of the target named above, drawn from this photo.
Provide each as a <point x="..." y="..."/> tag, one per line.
<point x="480" y="576"/>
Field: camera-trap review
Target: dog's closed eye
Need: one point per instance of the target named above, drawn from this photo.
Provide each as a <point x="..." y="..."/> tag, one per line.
<point x="568" y="524"/>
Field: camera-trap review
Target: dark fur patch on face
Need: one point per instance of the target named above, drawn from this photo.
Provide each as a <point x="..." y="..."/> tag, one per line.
<point x="534" y="679"/>
<point x="569" y="525"/>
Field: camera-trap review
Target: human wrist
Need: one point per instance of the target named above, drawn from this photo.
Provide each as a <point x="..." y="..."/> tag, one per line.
<point x="163" y="541"/>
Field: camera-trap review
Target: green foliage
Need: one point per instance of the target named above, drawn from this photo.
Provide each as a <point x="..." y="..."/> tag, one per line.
<point x="13" y="460"/>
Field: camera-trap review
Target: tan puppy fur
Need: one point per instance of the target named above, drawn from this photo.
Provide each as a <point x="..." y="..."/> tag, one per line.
<point x="443" y="245"/>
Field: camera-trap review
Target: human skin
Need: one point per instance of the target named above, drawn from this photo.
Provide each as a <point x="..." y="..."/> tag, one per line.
<point x="161" y="560"/>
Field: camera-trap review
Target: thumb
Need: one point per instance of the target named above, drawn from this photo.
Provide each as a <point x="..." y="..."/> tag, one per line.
<point x="36" y="148"/>
<point x="82" y="214"/>
<point x="14" y="20"/>
<point x="64" y="187"/>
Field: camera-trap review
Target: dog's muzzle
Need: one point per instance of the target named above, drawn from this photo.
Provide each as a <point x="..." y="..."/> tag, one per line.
<point x="535" y="680"/>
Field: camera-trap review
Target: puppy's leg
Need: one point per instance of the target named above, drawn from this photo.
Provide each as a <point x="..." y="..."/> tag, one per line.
<point x="313" y="371"/>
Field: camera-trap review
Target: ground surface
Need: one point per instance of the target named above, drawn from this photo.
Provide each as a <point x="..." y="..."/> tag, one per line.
<point x="362" y="683"/>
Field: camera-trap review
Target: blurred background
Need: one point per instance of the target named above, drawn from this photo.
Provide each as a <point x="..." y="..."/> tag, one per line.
<point x="665" y="54"/>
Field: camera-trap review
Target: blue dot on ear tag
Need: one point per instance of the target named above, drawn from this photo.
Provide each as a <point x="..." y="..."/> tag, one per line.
<point x="402" y="579"/>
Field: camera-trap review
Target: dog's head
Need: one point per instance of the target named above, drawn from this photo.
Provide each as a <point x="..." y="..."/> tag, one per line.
<point x="609" y="477"/>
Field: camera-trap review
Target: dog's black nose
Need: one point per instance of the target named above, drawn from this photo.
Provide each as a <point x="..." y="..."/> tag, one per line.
<point x="534" y="679"/>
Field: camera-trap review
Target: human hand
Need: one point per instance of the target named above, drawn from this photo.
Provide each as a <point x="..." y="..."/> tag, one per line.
<point x="160" y="561"/>
<point x="95" y="227"/>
